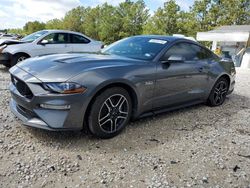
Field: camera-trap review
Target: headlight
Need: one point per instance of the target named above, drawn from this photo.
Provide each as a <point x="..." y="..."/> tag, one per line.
<point x="64" y="88"/>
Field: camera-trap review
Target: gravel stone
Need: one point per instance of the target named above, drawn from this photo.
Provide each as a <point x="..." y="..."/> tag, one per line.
<point x="197" y="146"/>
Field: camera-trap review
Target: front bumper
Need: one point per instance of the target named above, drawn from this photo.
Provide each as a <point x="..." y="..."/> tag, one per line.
<point x="232" y="84"/>
<point x="5" y="58"/>
<point x="231" y="89"/>
<point x="30" y="112"/>
<point x="26" y="118"/>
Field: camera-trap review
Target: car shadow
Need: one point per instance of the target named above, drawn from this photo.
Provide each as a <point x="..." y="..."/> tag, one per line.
<point x="147" y="132"/>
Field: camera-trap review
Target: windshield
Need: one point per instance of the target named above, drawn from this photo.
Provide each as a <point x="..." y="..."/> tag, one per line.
<point x="143" y="48"/>
<point x="33" y="36"/>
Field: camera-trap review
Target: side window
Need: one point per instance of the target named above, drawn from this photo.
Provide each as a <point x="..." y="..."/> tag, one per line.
<point x="185" y="50"/>
<point x="209" y="54"/>
<point x="78" y="39"/>
<point x="189" y="52"/>
<point x="57" y="38"/>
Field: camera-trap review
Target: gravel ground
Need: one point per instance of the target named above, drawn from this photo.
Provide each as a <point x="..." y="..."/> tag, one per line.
<point x="198" y="146"/>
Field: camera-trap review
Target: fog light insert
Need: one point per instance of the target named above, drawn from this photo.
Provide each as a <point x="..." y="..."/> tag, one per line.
<point x="55" y="107"/>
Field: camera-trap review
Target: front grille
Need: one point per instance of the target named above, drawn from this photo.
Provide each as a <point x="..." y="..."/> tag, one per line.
<point x="21" y="87"/>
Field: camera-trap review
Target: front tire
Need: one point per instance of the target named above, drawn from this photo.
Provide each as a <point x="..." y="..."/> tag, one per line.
<point x="218" y="93"/>
<point x="110" y="113"/>
<point x="18" y="58"/>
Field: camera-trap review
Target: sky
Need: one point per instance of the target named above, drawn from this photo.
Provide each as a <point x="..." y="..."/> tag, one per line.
<point x="15" y="13"/>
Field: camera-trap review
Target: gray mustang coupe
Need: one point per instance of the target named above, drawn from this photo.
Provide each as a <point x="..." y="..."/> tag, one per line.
<point x="131" y="78"/>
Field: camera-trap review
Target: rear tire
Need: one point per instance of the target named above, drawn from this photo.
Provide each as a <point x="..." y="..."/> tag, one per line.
<point x="110" y="113"/>
<point x="218" y="93"/>
<point x="7" y="65"/>
<point x="18" y="58"/>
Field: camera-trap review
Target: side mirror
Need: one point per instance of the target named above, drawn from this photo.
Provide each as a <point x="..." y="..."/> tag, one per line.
<point x="175" y="59"/>
<point x="44" y="42"/>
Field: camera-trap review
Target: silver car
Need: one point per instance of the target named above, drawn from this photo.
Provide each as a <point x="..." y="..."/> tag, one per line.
<point x="46" y="42"/>
<point x="129" y="79"/>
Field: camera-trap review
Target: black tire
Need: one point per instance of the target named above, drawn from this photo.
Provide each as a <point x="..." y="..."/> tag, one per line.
<point x="7" y="65"/>
<point x="18" y="58"/>
<point x="105" y="120"/>
<point x="218" y="93"/>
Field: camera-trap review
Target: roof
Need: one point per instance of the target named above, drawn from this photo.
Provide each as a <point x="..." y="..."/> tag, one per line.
<point x="228" y="33"/>
<point x="160" y="37"/>
<point x="232" y="28"/>
<point x="166" y="37"/>
<point x="63" y="31"/>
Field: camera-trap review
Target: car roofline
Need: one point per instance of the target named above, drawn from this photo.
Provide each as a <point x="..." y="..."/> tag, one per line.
<point x="66" y="31"/>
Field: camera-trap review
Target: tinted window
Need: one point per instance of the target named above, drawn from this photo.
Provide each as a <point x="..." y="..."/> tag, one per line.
<point x="78" y="39"/>
<point x="208" y="54"/>
<point x="189" y="52"/>
<point x="144" y="48"/>
<point x="57" y="38"/>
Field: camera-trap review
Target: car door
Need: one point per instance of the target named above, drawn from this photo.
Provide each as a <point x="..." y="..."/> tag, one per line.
<point x="182" y="75"/>
<point x="53" y="43"/>
<point x="80" y="43"/>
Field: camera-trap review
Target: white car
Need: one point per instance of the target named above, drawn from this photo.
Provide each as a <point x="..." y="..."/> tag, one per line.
<point x="45" y="42"/>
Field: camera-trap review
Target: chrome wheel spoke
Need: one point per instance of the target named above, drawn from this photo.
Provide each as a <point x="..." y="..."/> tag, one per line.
<point x="114" y="125"/>
<point x="216" y="90"/>
<point x="123" y="114"/>
<point x="122" y="117"/>
<point x="104" y="120"/>
<point x="120" y="102"/>
<point x="108" y="107"/>
<point x="223" y="91"/>
<point x="221" y="85"/>
<point x="109" y="104"/>
<point x="217" y="98"/>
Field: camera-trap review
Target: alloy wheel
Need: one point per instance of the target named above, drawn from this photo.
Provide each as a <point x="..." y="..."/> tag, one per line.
<point x="220" y="92"/>
<point x="21" y="59"/>
<point x="113" y="113"/>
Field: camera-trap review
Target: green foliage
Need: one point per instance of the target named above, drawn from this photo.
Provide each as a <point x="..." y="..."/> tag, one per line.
<point x="132" y="17"/>
<point x="31" y="27"/>
<point x="231" y="11"/>
<point x="164" y="21"/>
<point x="209" y="14"/>
<point x="74" y="19"/>
<point x="54" y="24"/>
<point x="110" y="23"/>
<point x="16" y="31"/>
<point x="91" y="23"/>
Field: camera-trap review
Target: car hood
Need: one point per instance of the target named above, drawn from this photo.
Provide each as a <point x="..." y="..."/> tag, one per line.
<point x="61" y="67"/>
<point x="10" y="42"/>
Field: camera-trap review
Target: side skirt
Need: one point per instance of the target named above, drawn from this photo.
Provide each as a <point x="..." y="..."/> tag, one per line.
<point x="168" y="109"/>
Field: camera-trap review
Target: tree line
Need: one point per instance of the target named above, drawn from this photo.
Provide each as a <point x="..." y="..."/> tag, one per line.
<point x="110" y="23"/>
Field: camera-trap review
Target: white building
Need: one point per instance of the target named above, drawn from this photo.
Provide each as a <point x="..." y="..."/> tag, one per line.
<point x="234" y="42"/>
